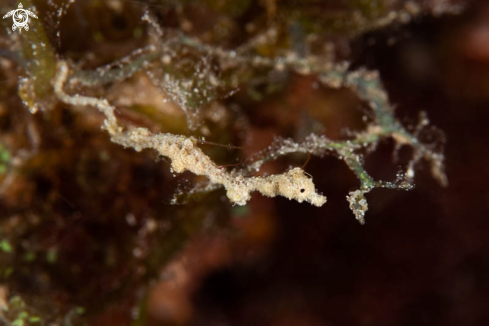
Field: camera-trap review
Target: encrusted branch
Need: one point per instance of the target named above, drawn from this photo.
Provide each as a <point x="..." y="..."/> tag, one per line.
<point x="185" y="155"/>
<point x="197" y="88"/>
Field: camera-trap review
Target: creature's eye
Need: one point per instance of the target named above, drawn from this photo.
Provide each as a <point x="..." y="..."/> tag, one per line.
<point x="302" y="190"/>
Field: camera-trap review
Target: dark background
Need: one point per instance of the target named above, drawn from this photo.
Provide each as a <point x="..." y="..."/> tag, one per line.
<point x="423" y="256"/>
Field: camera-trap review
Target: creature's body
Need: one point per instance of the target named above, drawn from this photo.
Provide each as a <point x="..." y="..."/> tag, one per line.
<point x="20" y="17"/>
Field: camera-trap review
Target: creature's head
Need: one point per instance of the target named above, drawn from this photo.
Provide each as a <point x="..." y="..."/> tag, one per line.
<point x="296" y="185"/>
